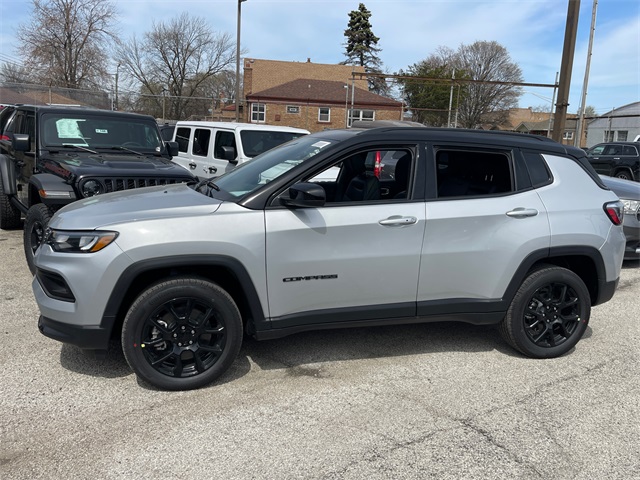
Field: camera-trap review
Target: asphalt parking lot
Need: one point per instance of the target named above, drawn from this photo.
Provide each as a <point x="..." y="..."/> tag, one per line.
<point x="419" y="401"/>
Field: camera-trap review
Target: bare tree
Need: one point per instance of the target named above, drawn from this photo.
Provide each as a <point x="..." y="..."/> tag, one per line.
<point x="487" y="61"/>
<point x="175" y="60"/>
<point x="14" y="73"/>
<point x="65" y="43"/>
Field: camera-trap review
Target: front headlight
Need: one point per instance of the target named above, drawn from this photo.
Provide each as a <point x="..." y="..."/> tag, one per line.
<point x="79" y="242"/>
<point x="630" y="206"/>
<point x="91" y="188"/>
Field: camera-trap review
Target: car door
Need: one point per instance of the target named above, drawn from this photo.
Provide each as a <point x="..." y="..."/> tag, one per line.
<point x="480" y="227"/>
<point x="355" y="254"/>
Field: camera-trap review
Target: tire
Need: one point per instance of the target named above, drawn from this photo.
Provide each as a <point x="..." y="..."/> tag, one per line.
<point x="9" y="215"/>
<point x="35" y="225"/>
<point x="182" y="333"/>
<point x="548" y="314"/>
<point x="624" y="174"/>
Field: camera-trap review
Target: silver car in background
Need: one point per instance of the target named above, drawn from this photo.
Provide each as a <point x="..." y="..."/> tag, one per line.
<point x="629" y="192"/>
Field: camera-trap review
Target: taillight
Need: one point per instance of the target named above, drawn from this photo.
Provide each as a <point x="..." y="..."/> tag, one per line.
<point x="377" y="167"/>
<point x="4" y="137"/>
<point x="615" y="212"/>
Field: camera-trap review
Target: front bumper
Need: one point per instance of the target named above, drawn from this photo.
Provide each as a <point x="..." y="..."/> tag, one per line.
<point x="87" y="338"/>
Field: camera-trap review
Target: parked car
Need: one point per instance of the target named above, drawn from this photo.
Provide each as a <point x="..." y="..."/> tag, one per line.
<point x="629" y="192"/>
<point x="616" y="159"/>
<point x="492" y="228"/>
<point x="212" y="148"/>
<point x="59" y="154"/>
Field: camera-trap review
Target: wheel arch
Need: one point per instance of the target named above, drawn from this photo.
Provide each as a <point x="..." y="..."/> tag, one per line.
<point x="623" y="168"/>
<point x="229" y="273"/>
<point x="584" y="261"/>
<point x="47" y="182"/>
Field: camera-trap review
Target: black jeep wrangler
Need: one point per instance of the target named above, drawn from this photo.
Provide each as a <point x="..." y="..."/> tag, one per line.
<point x="54" y="155"/>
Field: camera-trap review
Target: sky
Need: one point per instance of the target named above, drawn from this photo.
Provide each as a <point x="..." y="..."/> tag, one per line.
<point x="532" y="31"/>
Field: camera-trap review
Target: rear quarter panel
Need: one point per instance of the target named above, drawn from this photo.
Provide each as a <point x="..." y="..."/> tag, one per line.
<point x="574" y="203"/>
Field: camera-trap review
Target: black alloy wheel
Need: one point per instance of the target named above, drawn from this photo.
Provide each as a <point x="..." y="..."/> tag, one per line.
<point x="552" y="315"/>
<point x="182" y="333"/>
<point x="549" y="313"/>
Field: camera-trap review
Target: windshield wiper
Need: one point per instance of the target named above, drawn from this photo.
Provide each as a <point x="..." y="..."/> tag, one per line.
<point x="127" y="150"/>
<point x="79" y="147"/>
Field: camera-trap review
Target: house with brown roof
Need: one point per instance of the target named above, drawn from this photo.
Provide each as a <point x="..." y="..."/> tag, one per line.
<point x="311" y="96"/>
<point x="545" y="127"/>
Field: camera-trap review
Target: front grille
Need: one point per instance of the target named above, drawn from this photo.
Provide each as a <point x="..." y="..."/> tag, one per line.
<point x="123" y="183"/>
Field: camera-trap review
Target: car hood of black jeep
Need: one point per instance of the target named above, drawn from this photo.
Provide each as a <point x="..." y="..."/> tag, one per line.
<point x="135" y="205"/>
<point x="112" y="164"/>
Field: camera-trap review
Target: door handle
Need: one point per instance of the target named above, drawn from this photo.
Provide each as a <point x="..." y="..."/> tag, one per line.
<point x="397" y="221"/>
<point x="522" y="212"/>
<point x="192" y="166"/>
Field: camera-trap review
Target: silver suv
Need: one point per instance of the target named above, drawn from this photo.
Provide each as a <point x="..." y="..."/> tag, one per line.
<point x="479" y="227"/>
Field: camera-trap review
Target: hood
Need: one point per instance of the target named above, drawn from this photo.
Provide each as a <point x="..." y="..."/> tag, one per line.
<point x="110" y="164"/>
<point x="134" y="205"/>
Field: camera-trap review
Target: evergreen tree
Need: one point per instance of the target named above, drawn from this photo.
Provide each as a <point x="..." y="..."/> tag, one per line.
<point x="361" y="48"/>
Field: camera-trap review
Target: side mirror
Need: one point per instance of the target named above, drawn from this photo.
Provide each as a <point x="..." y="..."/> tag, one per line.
<point x="20" y="142"/>
<point x="305" y="195"/>
<point x="172" y="148"/>
<point x="229" y="154"/>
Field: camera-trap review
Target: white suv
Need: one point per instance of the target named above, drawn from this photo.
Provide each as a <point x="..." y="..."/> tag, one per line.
<point x="209" y="149"/>
<point x="472" y="226"/>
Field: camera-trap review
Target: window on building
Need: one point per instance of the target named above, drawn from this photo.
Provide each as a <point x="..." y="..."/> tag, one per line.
<point x="258" y="112"/>
<point x="608" y="135"/>
<point x="567" y="135"/>
<point x="358" y="114"/>
<point x="324" y="114"/>
<point x="622" y="135"/>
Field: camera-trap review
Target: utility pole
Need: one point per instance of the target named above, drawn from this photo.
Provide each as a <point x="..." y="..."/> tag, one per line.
<point x="565" y="69"/>
<point x="453" y="76"/>
<point x="583" y="100"/>
<point x="238" y="60"/>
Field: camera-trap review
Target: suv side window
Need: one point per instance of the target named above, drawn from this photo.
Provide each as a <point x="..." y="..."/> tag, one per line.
<point x="182" y="137"/>
<point x="368" y="175"/>
<point x="201" y="139"/>
<point x="538" y="170"/>
<point x="25" y="123"/>
<point x="612" y="150"/>
<point x="472" y="173"/>
<point x="630" y="150"/>
<point x="224" y="139"/>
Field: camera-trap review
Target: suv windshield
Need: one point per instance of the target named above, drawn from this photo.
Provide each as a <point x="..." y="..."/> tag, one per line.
<point x="96" y="131"/>
<point x="270" y="165"/>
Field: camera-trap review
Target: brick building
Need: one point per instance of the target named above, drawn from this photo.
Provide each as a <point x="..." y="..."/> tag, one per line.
<point x="311" y="96"/>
